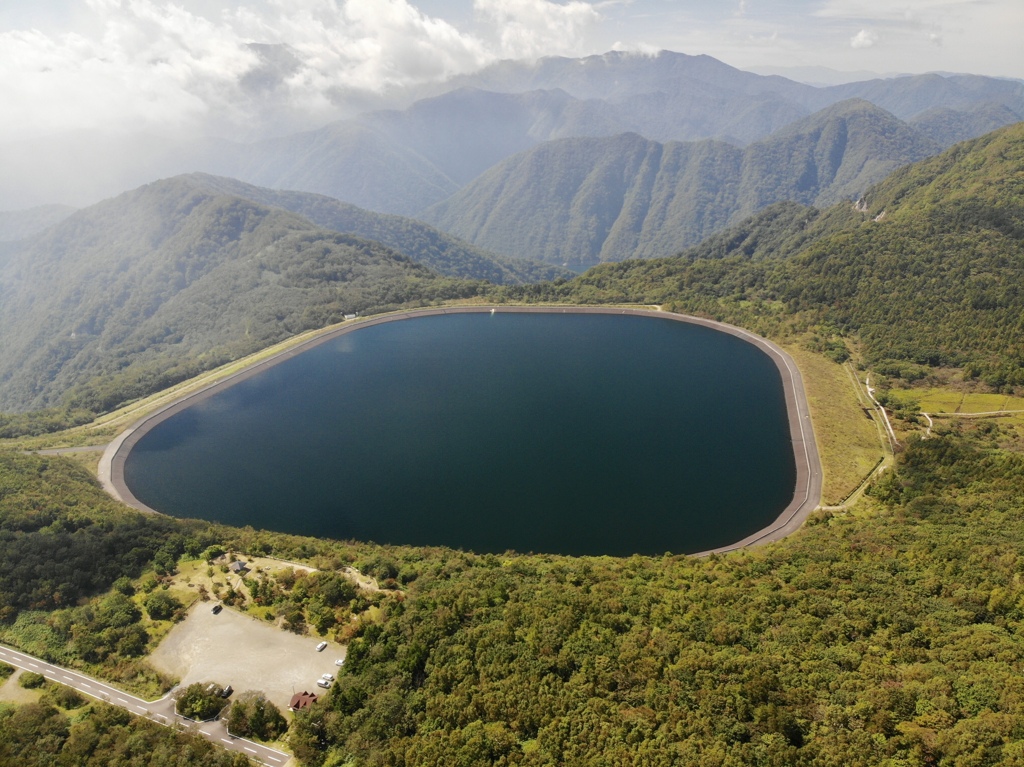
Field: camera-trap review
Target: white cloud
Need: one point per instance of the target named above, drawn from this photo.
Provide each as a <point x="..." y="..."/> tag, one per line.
<point x="531" y="28"/>
<point x="152" y="65"/>
<point x="191" y="65"/>
<point x="863" y="39"/>
<point x="887" y="10"/>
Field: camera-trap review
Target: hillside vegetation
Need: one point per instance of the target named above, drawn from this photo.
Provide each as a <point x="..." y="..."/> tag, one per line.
<point x="20" y="224"/>
<point x="581" y="201"/>
<point x="422" y="243"/>
<point x="143" y="290"/>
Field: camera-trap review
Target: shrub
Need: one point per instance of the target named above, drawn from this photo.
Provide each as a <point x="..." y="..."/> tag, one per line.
<point x="30" y="680"/>
<point x="199" y="701"/>
<point x="161" y="606"/>
<point x="252" y="715"/>
<point x="64" y="697"/>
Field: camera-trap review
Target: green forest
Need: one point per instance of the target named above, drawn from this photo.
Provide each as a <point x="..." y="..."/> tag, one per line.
<point x="74" y="733"/>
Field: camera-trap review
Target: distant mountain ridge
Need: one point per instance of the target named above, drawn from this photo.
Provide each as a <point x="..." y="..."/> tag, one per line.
<point x="401" y="161"/>
<point x="582" y="201"/>
<point x="19" y="224"/>
<point x="710" y="86"/>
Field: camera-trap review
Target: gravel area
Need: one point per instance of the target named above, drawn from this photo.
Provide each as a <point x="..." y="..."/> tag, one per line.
<point x="232" y="648"/>
<point x="12" y="692"/>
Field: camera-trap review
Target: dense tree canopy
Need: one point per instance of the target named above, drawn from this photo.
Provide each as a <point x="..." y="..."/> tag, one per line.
<point x="40" y="735"/>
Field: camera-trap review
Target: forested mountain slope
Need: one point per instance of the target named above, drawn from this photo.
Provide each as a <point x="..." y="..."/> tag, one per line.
<point x="348" y="160"/>
<point x="950" y="126"/>
<point x="581" y="201"/>
<point x="401" y="161"/>
<point x="160" y="283"/>
<point x="20" y="224"/>
<point x="422" y="243"/>
<point x="928" y="271"/>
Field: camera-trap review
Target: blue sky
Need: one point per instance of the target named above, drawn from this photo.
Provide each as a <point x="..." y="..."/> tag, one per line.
<point x="90" y="64"/>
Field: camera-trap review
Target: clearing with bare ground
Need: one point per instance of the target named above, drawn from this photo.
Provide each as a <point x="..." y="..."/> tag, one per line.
<point x="232" y="649"/>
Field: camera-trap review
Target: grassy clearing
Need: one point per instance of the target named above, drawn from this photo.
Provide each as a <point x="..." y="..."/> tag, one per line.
<point x="848" y="441"/>
<point x="983" y="403"/>
<point x="953" y="401"/>
<point x="11" y="691"/>
<point x="935" y="400"/>
<point x="198" y="580"/>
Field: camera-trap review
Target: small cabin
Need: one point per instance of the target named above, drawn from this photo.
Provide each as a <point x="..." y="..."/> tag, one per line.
<point x="238" y="567"/>
<point x="301" y="700"/>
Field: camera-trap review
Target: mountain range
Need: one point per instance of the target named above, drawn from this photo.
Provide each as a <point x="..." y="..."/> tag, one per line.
<point x="581" y="201"/>
<point x="401" y="161"/>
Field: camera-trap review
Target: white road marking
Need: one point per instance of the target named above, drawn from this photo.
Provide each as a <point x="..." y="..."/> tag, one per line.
<point x="126" y="704"/>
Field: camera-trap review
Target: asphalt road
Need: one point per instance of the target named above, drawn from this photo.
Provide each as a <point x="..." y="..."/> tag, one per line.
<point x="160" y="711"/>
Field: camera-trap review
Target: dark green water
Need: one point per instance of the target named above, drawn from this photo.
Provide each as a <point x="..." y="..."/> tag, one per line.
<point x="557" y="433"/>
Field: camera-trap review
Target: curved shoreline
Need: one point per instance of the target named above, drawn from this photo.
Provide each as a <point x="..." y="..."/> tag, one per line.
<point x="807" y="490"/>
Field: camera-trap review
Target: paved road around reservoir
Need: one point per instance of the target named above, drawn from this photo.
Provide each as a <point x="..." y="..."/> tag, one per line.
<point x="807" y="493"/>
<point x="160" y="711"/>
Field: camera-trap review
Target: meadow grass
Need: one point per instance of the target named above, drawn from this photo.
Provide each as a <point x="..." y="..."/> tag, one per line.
<point x="849" y="442"/>
<point x="953" y="401"/>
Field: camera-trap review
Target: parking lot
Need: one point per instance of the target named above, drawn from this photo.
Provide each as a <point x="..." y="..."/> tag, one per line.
<point x="232" y="648"/>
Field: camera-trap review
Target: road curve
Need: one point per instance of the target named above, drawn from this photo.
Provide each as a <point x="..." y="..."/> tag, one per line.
<point x="806" y="493"/>
<point x="160" y="711"/>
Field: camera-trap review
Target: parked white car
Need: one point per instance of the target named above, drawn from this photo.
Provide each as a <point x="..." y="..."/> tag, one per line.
<point x="328" y="677"/>
<point x="321" y="647"/>
<point x="323" y="683"/>
<point x="339" y="662"/>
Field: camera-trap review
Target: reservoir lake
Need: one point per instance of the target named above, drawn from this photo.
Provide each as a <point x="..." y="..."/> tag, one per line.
<point x="581" y="434"/>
